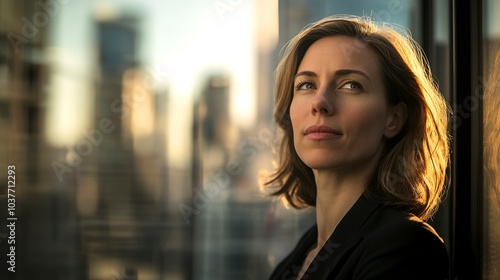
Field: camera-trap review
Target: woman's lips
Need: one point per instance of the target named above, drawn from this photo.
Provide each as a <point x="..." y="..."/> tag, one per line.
<point x="321" y="132"/>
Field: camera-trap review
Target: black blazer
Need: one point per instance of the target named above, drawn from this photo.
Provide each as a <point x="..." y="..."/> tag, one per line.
<point x="371" y="242"/>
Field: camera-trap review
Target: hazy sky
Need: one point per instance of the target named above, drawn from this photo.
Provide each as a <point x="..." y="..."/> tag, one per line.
<point x="181" y="42"/>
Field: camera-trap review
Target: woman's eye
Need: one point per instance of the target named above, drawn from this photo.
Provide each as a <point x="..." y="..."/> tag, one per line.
<point x="352" y="85"/>
<point x="305" y="86"/>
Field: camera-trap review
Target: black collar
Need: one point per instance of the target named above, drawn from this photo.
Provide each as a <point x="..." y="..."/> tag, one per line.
<point x="332" y="251"/>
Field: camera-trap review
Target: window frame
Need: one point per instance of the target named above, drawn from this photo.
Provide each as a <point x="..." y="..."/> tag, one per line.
<point x="466" y="162"/>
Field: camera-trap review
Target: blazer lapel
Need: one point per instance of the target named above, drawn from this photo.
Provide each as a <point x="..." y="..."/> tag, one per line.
<point x="342" y="240"/>
<point x="291" y="265"/>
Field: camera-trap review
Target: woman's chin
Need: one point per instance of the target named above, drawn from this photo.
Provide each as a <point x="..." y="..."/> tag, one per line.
<point x="322" y="164"/>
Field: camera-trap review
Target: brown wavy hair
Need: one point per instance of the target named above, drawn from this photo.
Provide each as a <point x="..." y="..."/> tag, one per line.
<point x="411" y="174"/>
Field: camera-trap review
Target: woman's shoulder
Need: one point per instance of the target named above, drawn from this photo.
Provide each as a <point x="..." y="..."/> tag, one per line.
<point x="398" y="245"/>
<point x="390" y="222"/>
<point x="393" y="233"/>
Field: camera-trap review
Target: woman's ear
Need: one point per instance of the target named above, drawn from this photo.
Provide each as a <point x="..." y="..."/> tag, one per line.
<point x="396" y="120"/>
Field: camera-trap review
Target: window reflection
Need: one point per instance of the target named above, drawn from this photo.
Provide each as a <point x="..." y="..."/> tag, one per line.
<point x="491" y="130"/>
<point x="139" y="129"/>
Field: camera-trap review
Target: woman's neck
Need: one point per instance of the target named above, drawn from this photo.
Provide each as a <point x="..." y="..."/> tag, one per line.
<point x="332" y="203"/>
<point x="337" y="191"/>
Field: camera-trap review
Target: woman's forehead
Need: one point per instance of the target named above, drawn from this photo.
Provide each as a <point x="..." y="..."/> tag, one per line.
<point x="329" y="54"/>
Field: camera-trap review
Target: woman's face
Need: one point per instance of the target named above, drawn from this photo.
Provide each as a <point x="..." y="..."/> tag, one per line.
<point x="339" y="112"/>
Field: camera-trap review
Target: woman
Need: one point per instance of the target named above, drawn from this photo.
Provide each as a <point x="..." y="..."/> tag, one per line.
<point x="365" y="143"/>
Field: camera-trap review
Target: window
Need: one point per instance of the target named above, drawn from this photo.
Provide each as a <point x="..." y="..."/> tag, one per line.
<point x="491" y="145"/>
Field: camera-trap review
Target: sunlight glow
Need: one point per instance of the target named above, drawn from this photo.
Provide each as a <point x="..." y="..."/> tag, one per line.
<point x="68" y="113"/>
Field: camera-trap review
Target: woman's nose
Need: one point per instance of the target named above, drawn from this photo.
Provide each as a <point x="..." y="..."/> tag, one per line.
<point x="322" y="103"/>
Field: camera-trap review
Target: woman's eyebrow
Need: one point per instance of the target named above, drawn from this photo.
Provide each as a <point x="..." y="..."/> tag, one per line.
<point x="306" y="73"/>
<point x="340" y="72"/>
<point x="345" y="72"/>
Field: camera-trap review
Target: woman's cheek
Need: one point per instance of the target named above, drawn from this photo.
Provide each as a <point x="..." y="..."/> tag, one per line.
<point x="366" y="118"/>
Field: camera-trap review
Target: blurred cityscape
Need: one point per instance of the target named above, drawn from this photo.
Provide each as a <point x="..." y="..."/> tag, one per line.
<point x="123" y="173"/>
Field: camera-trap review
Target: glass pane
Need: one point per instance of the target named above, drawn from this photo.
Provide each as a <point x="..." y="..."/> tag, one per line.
<point x="137" y="130"/>
<point x="491" y="145"/>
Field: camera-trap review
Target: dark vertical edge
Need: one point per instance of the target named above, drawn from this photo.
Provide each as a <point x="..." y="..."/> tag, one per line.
<point x="461" y="178"/>
<point x="467" y="140"/>
<point x="476" y="107"/>
<point x="428" y="29"/>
